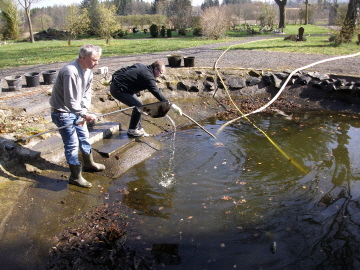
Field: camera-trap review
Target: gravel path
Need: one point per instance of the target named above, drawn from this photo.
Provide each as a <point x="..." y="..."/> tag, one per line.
<point x="206" y="56"/>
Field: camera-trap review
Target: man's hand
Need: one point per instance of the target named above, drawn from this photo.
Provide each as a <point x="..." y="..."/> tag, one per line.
<point x="90" y="117"/>
<point x="87" y="118"/>
<point x="176" y="109"/>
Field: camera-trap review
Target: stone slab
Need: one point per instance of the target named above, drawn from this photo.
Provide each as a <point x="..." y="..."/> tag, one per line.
<point x="112" y="144"/>
<point x="52" y="147"/>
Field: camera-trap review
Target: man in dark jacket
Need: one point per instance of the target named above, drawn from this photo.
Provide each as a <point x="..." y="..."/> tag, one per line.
<point x="128" y="82"/>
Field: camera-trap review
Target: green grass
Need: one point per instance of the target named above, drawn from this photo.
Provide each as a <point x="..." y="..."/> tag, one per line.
<point x="44" y="52"/>
<point x="289" y="30"/>
<point x="317" y="42"/>
<point x="313" y="45"/>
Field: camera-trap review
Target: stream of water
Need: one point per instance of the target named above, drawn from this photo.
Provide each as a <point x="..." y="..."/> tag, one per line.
<point x="238" y="203"/>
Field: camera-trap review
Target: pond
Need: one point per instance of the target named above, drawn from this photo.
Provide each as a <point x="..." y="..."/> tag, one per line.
<point x="239" y="203"/>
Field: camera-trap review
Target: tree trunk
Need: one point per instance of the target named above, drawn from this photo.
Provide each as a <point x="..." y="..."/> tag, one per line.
<point x="27" y="11"/>
<point x="306" y="12"/>
<point x="282" y="12"/>
<point x="348" y="27"/>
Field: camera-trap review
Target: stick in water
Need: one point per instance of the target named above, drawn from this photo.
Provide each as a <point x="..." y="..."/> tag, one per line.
<point x="198" y="125"/>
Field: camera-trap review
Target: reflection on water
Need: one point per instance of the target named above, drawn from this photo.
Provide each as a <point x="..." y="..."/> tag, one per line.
<point x="227" y="205"/>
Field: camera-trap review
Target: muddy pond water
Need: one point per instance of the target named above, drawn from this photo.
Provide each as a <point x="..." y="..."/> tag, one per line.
<point x="238" y="203"/>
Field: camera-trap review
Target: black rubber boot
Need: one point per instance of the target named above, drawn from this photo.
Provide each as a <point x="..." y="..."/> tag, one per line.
<point x="76" y="177"/>
<point x="90" y="164"/>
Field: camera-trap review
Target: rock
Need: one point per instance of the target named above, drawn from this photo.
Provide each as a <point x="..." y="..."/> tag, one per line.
<point x="194" y="87"/>
<point x="319" y="76"/>
<point x="208" y="86"/>
<point x="304" y="79"/>
<point x="282" y="75"/>
<point x="252" y="81"/>
<point x="254" y="73"/>
<point x="182" y="86"/>
<point x="267" y="80"/>
<point x="210" y="79"/>
<point x="277" y="82"/>
<point x="236" y="83"/>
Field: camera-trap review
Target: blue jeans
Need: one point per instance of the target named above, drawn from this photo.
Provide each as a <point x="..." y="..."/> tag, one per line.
<point x="129" y="100"/>
<point x="73" y="136"/>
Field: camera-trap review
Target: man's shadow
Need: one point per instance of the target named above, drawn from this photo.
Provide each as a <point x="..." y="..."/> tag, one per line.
<point x="21" y="163"/>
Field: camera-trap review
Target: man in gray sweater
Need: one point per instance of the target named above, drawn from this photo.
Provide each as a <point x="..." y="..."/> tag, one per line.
<point x="70" y="101"/>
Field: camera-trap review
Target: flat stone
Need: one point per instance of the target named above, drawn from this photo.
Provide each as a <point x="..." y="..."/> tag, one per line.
<point x="107" y="147"/>
<point x="100" y="131"/>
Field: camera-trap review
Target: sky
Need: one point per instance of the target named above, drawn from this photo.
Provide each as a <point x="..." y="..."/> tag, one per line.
<point x="46" y="3"/>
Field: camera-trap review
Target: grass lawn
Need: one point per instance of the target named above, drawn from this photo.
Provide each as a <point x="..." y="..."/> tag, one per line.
<point x="15" y="54"/>
<point x="317" y="42"/>
<point x="313" y="45"/>
<point x="45" y="52"/>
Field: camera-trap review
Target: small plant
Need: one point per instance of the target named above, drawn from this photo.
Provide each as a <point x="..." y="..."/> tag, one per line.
<point x="154" y="30"/>
<point x="294" y="38"/>
<point x="198" y="31"/>
<point x="182" y="32"/>
<point x="119" y="34"/>
<point x="162" y="31"/>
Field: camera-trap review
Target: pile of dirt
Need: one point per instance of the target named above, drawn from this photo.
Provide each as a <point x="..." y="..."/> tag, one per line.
<point x="98" y="243"/>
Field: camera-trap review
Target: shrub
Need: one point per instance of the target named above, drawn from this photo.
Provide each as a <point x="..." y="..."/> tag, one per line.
<point x="182" y="32"/>
<point x="215" y="21"/>
<point x="198" y="31"/>
<point x="162" y="31"/>
<point x="154" y="30"/>
<point x="119" y="34"/>
<point x="169" y="33"/>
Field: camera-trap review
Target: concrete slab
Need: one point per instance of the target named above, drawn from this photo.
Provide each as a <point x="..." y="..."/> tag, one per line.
<point x="52" y="147"/>
<point x="100" y="130"/>
<point x="110" y="145"/>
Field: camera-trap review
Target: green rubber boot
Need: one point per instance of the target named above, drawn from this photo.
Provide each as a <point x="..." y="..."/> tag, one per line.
<point x="76" y="177"/>
<point x="90" y="164"/>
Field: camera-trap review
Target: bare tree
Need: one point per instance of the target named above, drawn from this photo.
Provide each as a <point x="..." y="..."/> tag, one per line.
<point x="267" y="15"/>
<point x="282" y="12"/>
<point x="215" y="21"/>
<point x="42" y="21"/>
<point x="26" y="5"/>
<point x="179" y="13"/>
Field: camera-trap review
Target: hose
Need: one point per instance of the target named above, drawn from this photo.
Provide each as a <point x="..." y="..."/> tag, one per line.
<point x="284" y="85"/>
<point x="270" y="102"/>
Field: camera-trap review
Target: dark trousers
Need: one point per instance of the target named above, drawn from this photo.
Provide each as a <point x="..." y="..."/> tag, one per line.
<point x="129" y="100"/>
